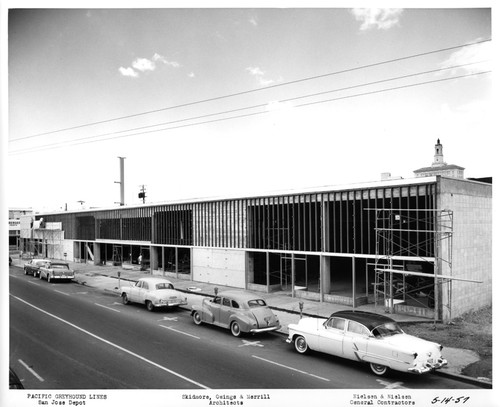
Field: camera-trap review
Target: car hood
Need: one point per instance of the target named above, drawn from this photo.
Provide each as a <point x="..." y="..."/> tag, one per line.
<point x="411" y="343"/>
<point x="264" y="316"/>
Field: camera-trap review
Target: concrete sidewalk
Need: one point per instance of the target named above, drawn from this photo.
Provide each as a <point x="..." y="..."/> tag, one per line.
<point x="110" y="279"/>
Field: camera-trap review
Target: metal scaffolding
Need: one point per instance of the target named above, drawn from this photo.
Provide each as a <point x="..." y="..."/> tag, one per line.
<point x="402" y="273"/>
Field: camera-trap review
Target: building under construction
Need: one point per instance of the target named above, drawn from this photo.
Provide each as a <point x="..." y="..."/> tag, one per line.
<point x="420" y="246"/>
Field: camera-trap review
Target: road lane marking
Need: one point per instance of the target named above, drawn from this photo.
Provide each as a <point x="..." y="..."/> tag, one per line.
<point x="390" y="385"/>
<point x="291" y="368"/>
<point x="114" y="345"/>
<point x="249" y="343"/>
<point x="61" y="292"/>
<point x="175" y="330"/>
<point x="32" y="282"/>
<point x="169" y="319"/>
<point x="103" y="306"/>
<point x="31" y="370"/>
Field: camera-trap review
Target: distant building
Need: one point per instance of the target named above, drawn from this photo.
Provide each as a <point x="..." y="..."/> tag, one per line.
<point x="15" y="224"/>
<point x="439" y="167"/>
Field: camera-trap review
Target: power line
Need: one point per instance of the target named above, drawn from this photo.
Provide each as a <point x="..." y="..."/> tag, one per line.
<point x="252" y="114"/>
<point x="253" y="107"/>
<point x="252" y="90"/>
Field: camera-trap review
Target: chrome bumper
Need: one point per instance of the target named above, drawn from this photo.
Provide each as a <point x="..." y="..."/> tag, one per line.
<point x="268" y="329"/>
<point x="428" y="367"/>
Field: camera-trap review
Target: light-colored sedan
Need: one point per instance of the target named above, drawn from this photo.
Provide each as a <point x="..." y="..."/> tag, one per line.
<point x="239" y="311"/>
<point x="367" y="337"/>
<point x="33" y="266"/>
<point x="55" y="271"/>
<point x="154" y="292"/>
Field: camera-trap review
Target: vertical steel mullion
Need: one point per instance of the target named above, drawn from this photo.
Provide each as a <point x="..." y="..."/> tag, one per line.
<point x="226" y="224"/>
<point x="408" y="222"/>
<point x="237" y="224"/>
<point x="288" y="223"/>
<point x="348" y="223"/>
<point x="217" y="229"/>
<point x="354" y="230"/>
<point x="309" y="247"/>
<point x="270" y="222"/>
<point x="233" y="224"/>
<point x="341" y="237"/>
<point x="304" y="219"/>
<point x="334" y="222"/>
<point x="361" y="226"/>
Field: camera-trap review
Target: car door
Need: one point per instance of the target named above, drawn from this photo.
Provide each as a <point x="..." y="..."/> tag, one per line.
<point x="135" y="292"/>
<point x="331" y="336"/>
<point x="355" y="341"/>
<point x="225" y="312"/>
<point x="215" y="306"/>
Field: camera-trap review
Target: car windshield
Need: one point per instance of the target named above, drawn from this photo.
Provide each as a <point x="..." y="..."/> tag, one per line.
<point x="256" y="303"/>
<point x="164" y="286"/>
<point x="387" y="329"/>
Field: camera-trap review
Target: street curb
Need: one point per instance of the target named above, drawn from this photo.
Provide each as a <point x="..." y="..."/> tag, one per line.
<point x="465" y="379"/>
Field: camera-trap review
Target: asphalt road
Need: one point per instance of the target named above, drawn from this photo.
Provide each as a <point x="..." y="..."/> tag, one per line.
<point x="66" y="336"/>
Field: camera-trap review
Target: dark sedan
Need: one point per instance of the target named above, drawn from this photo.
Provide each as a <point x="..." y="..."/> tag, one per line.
<point x="33" y="266"/>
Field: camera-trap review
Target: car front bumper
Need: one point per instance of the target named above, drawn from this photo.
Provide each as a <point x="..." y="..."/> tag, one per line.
<point x="428" y="367"/>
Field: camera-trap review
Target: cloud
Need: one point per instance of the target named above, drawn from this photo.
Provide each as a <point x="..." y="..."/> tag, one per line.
<point x="378" y="18"/>
<point x="255" y="70"/>
<point x="158" y="57"/>
<point x="144" y="65"/>
<point x="259" y="76"/>
<point x="128" y="72"/>
<point x="477" y="56"/>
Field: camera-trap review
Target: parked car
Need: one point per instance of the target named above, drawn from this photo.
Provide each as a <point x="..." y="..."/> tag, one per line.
<point x="153" y="292"/>
<point x="239" y="311"/>
<point x="367" y="337"/>
<point x="33" y="266"/>
<point x="14" y="382"/>
<point x="52" y="270"/>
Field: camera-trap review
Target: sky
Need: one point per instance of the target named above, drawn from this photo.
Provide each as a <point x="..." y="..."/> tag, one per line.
<point x="233" y="102"/>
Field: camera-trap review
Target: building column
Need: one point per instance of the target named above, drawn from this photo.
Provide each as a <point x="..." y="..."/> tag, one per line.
<point x="325" y="276"/>
<point x="153" y="258"/>
<point x="97" y="254"/>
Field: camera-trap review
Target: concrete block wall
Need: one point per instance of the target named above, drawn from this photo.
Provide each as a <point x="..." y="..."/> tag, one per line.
<point x="471" y="203"/>
<point x="219" y="266"/>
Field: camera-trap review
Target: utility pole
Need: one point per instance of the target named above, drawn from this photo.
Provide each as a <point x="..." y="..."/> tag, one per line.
<point x="142" y="194"/>
<point x="122" y="181"/>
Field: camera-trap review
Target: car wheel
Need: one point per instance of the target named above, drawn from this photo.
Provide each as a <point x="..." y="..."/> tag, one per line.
<point x="48" y="278"/>
<point x="197" y="318"/>
<point x="235" y="329"/>
<point x="301" y="345"/>
<point x="25" y="271"/>
<point x="379" y="370"/>
<point x="150" y="306"/>
<point x="40" y="276"/>
<point x="125" y="299"/>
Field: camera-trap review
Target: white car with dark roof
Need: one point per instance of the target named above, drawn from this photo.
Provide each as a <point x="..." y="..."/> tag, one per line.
<point x="367" y="337"/>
